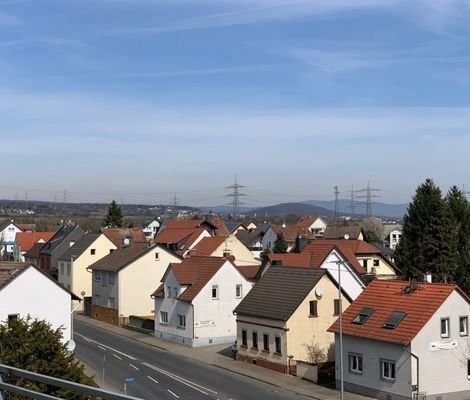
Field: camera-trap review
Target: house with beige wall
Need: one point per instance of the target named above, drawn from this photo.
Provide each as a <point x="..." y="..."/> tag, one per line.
<point x="124" y="280"/>
<point x="286" y="311"/>
<point x="73" y="264"/>
<point x="220" y="246"/>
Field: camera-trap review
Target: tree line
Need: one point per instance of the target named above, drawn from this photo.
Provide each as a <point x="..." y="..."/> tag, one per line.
<point x="436" y="236"/>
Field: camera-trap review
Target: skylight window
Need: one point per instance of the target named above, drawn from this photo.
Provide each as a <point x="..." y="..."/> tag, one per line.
<point x="394" y="319"/>
<point x="363" y="315"/>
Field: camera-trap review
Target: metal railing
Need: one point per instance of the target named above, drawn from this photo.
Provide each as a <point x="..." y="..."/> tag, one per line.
<point x="61" y="383"/>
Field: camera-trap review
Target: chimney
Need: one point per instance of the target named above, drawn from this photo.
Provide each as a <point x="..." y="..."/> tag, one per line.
<point x="428" y="277"/>
<point x="300" y="243"/>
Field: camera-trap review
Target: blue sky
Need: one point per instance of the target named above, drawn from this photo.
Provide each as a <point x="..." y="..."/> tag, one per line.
<point x="141" y="99"/>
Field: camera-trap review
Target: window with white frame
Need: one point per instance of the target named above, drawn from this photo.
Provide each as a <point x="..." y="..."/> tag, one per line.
<point x="468" y="368"/>
<point x="97" y="276"/>
<point x="238" y="291"/>
<point x="92" y="252"/>
<point x="387" y="369"/>
<point x="254" y="340"/>
<point x="111" y="302"/>
<point x="175" y="290"/>
<point x="445" y="330"/>
<point x="277" y="344"/>
<point x="163" y="317"/>
<point x="355" y="363"/>
<point x="215" y="292"/>
<point x="181" y="321"/>
<point x="265" y="342"/>
<point x="244" y="337"/>
<point x="463" y="325"/>
<point x="69" y="267"/>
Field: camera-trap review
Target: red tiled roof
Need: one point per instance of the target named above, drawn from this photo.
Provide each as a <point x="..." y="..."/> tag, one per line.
<point x="303" y="260"/>
<point x="291" y="232"/>
<point x="306" y="222"/>
<point x="174" y="235"/>
<point x="195" y="272"/>
<point x="26" y="227"/>
<point x="208" y="245"/>
<point x="250" y="272"/>
<point x="117" y="235"/>
<point x="26" y="240"/>
<point x="160" y="292"/>
<point x="182" y="223"/>
<point x="388" y="296"/>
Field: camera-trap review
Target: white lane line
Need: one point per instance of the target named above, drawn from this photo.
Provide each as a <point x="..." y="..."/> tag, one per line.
<point x="108" y="348"/>
<point x="83" y="337"/>
<point x="182" y="380"/>
<point x="101" y="347"/>
<point x="154" y="380"/>
<point x="115" y="355"/>
<point x="174" y="394"/>
<point x="133" y="366"/>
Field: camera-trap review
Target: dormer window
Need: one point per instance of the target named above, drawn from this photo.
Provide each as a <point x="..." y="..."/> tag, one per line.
<point x="363" y="316"/>
<point x="394" y="319"/>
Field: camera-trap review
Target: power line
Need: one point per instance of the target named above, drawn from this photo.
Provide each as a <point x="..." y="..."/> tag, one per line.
<point x="236" y="197"/>
<point x="336" y="202"/>
<point x="352" y="206"/>
<point x="368" y="196"/>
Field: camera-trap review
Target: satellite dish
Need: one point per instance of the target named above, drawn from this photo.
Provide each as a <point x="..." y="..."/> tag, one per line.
<point x="70" y="346"/>
<point x="82" y="293"/>
<point x="346" y="236"/>
<point x="319" y="291"/>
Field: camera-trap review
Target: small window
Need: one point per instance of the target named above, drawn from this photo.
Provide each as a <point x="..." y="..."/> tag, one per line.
<point x="394" y="319"/>
<point x="111" y="302"/>
<point x="175" y="290"/>
<point x="265" y="342"/>
<point x="355" y="363"/>
<point x="168" y="291"/>
<point x="93" y="252"/>
<point x="62" y="269"/>
<point x="181" y="321"/>
<point x="364" y="263"/>
<point x="103" y="280"/>
<point x="254" y="339"/>
<point x="215" y="292"/>
<point x="157" y="256"/>
<point x="244" y="338"/>
<point x="313" y="308"/>
<point x="277" y="343"/>
<point x="387" y="370"/>
<point x="468" y="368"/>
<point x="445" y="327"/>
<point x="376" y="262"/>
<point x="363" y="316"/>
<point x="163" y="317"/>
<point x="238" y="291"/>
<point x="69" y="267"/>
<point x="463" y="326"/>
<point x="111" y="277"/>
<point x="336" y="309"/>
<point x="97" y="276"/>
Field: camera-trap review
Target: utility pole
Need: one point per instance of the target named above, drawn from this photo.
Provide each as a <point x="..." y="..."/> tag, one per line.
<point x="236" y="198"/>
<point x="175" y="201"/>
<point x="336" y="202"/>
<point x="352" y="206"/>
<point x="368" y="196"/>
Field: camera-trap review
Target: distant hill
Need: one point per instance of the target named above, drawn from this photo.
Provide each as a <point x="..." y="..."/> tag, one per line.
<point x="378" y="209"/>
<point x="290" y="208"/>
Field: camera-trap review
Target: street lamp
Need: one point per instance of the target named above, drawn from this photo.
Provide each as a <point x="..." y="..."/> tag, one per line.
<point x="340" y="299"/>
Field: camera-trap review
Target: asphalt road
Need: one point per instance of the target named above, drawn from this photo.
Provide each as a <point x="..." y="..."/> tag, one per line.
<point x="153" y="373"/>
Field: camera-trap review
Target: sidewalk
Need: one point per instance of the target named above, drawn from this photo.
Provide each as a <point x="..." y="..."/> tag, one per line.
<point x="219" y="356"/>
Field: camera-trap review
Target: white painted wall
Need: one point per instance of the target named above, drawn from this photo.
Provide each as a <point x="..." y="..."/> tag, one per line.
<point x="444" y="371"/>
<point x="318" y="227"/>
<point x="35" y="294"/>
<point x="243" y="256"/>
<point x="350" y="282"/>
<point x="8" y="235"/>
<point x="269" y="238"/>
<point x="151" y="229"/>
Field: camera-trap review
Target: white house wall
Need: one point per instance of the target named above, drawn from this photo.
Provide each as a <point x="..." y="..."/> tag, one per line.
<point x="32" y="293"/>
<point x="104" y="291"/>
<point x="369" y="383"/>
<point x="350" y="282"/>
<point x="444" y="372"/>
<point x="243" y="256"/>
<point x="214" y="321"/>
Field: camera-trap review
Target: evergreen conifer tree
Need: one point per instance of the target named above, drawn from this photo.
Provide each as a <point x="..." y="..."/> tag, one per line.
<point x="280" y="245"/>
<point x="114" y="217"/>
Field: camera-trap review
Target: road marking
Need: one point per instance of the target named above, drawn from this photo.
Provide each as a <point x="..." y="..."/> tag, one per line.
<point x="154" y="380"/>
<point x="174" y="394"/>
<point x="101" y="347"/>
<point x="182" y="380"/>
<point x="133" y="366"/>
<point x="108" y="348"/>
<point x="115" y="355"/>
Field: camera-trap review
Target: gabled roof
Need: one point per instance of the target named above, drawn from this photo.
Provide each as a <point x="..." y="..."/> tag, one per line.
<point x="175" y="235"/>
<point x="195" y="272"/>
<point x="9" y="271"/>
<point x="338" y="232"/>
<point x="80" y="246"/>
<point x="279" y="292"/>
<point x="122" y="257"/>
<point x="208" y="245"/>
<point x="291" y="232"/>
<point x="62" y="234"/>
<point x="26" y="240"/>
<point x="298" y="260"/>
<point x="118" y="235"/>
<point x="306" y="222"/>
<point x="387" y="296"/>
<point x="250" y="237"/>
<point x="34" y="251"/>
<point x="250" y="272"/>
